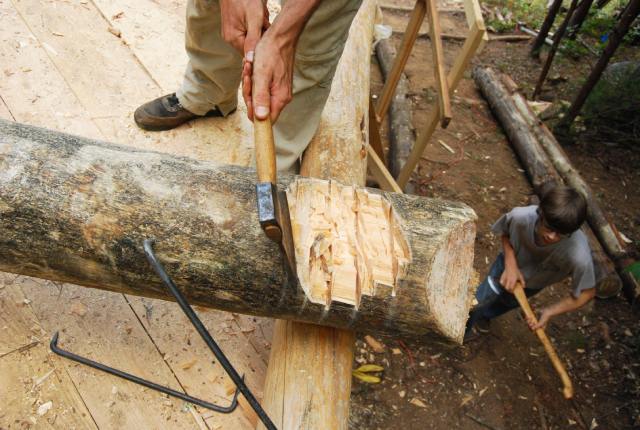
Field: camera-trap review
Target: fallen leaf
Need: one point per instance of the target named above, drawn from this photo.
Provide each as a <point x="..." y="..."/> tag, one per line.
<point x="364" y="377"/>
<point x="365" y="368"/>
<point x="377" y="347"/>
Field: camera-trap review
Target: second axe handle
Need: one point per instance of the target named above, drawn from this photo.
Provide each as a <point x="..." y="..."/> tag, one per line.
<point x="265" y="150"/>
<point x="521" y="297"/>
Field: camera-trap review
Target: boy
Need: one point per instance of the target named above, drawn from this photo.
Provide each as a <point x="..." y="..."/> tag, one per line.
<point x="542" y="245"/>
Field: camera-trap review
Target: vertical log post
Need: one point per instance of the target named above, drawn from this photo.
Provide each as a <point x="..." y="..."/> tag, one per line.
<point x="546" y="27"/>
<point x="554" y="49"/>
<point x="618" y="33"/>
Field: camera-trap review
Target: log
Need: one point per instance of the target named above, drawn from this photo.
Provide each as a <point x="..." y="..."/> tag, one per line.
<point x="581" y="13"/>
<point x="77" y="210"/>
<point x="401" y="136"/>
<point x="537" y="163"/>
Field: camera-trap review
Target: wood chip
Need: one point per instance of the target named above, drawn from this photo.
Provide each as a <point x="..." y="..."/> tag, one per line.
<point x="115" y="31"/>
<point x="188" y="364"/>
<point x="44" y="408"/>
<point x="466" y="400"/>
<point x="447" y="147"/>
<point x="418" y="403"/>
<point x="78" y="308"/>
<point x="396" y="351"/>
<point x="402" y="394"/>
<point x="377" y="346"/>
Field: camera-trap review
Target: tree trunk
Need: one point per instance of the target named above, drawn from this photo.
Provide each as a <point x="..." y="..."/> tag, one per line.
<point x="77" y="210"/>
<point x="401" y="137"/>
<point x="546" y="26"/>
<point x="581" y="13"/>
<point x="622" y="27"/>
<point x="502" y="99"/>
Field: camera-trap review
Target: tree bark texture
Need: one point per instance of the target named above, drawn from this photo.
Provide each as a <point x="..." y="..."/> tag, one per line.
<point x="77" y="210"/>
<point x="502" y="97"/>
<point x="581" y="13"/>
<point x="401" y="136"/>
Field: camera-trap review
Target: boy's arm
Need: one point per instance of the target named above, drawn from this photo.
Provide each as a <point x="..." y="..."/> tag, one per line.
<point x="565" y="305"/>
<point x="511" y="274"/>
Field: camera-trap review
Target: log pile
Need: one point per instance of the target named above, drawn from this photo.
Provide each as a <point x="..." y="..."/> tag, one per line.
<point x="77" y="210"/>
<point x="546" y="163"/>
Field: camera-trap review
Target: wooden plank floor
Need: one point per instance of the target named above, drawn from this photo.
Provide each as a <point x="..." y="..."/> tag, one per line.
<point x="63" y="69"/>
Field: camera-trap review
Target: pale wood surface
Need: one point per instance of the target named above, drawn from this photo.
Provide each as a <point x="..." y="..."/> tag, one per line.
<point x="304" y="355"/>
<point x="444" y="100"/>
<point x="32" y="376"/>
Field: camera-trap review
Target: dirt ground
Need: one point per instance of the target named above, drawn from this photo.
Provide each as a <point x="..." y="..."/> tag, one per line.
<point x="504" y="380"/>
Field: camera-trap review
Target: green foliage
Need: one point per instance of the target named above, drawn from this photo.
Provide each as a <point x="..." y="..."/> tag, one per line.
<point x="531" y="12"/>
<point x="612" y="111"/>
<point x="573" y="49"/>
<point x="634" y="269"/>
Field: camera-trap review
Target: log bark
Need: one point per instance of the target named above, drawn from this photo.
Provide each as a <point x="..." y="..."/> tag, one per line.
<point x="76" y="210"/>
<point x="401" y="136"/>
<point x="581" y="13"/>
<point x="542" y="174"/>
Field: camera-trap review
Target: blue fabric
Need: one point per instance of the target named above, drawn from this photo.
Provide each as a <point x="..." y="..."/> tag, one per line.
<point x="491" y="304"/>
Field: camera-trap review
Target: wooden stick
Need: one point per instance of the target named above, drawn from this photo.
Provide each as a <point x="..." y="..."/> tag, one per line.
<point x="374" y="132"/>
<point x="380" y="172"/>
<point x="444" y="100"/>
<point x="521" y="297"/>
<point x="410" y="35"/>
<point x="470" y="47"/>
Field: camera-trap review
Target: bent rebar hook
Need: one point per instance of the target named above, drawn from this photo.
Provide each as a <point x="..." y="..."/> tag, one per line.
<point x="200" y="328"/>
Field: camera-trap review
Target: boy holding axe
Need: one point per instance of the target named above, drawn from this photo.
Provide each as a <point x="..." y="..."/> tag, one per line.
<point x="542" y="245"/>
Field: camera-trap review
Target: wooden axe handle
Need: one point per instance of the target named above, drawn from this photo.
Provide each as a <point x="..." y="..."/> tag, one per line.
<point x="265" y="150"/>
<point x="521" y="297"/>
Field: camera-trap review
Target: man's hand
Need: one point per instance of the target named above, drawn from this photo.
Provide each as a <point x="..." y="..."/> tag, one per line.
<point x="243" y="22"/>
<point x="511" y="275"/>
<point x="272" y="78"/>
<point x="545" y="316"/>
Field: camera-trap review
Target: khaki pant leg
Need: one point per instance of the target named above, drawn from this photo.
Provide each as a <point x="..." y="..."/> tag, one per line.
<point x="214" y="70"/>
<point x="317" y="54"/>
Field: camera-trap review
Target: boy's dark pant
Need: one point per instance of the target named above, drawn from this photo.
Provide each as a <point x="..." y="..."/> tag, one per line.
<point x="493" y="299"/>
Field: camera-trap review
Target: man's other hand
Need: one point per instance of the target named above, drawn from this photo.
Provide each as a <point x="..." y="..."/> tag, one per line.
<point x="243" y="22"/>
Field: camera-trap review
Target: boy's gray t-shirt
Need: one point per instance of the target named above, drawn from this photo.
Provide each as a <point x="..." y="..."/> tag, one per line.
<point x="545" y="265"/>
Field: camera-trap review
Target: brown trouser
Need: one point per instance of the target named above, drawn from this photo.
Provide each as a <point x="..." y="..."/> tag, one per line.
<point x="213" y="75"/>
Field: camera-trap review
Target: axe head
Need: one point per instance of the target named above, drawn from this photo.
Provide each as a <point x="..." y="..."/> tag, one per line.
<point x="273" y="214"/>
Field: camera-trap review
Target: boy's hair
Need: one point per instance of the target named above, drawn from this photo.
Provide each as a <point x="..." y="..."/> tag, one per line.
<point x="563" y="209"/>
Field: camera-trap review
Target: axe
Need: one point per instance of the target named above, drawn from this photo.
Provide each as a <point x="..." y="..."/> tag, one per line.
<point x="273" y="209"/>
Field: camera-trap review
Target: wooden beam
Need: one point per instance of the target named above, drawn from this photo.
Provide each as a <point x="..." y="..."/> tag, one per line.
<point x="380" y="173"/>
<point x="444" y="100"/>
<point x="410" y="36"/>
<point x="470" y="47"/>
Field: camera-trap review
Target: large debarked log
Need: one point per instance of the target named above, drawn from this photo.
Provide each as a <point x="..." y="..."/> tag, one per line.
<point x="77" y="210"/>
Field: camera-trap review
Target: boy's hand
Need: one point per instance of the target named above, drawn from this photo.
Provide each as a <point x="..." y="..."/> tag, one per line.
<point x="511" y="276"/>
<point x="545" y="316"/>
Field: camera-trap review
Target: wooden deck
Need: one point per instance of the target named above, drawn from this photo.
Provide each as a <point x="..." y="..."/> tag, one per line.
<point x="62" y="66"/>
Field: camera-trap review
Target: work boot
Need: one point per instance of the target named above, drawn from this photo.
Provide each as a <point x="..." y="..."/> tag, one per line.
<point x="165" y="113"/>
